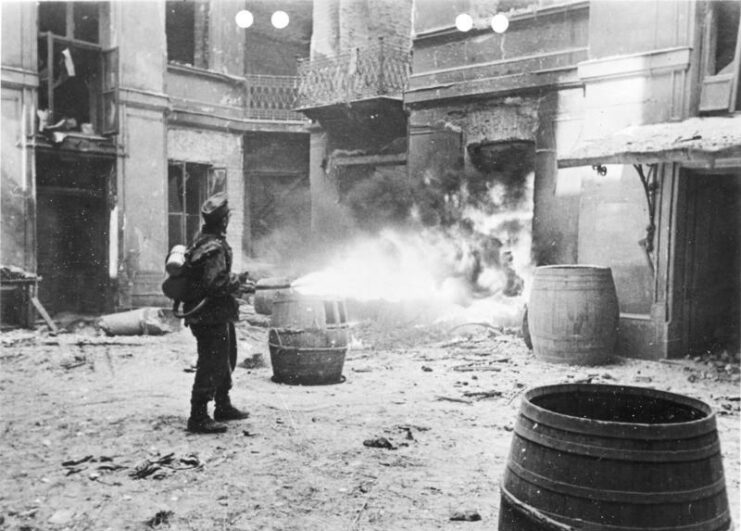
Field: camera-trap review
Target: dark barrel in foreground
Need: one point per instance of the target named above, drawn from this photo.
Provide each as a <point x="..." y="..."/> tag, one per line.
<point x="613" y="458"/>
<point x="573" y="314"/>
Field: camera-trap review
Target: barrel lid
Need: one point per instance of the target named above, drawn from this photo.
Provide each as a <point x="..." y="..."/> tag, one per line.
<point x="274" y="282"/>
<point x="611" y="428"/>
<point x="573" y="267"/>
<point x="291" y="295"/>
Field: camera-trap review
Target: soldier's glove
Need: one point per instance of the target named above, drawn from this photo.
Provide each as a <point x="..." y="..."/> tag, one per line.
<point x="234" y="283"/>
<point x="248" y="286"/>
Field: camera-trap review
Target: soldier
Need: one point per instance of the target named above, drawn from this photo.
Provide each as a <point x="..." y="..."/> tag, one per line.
<point x="210" y="259"/>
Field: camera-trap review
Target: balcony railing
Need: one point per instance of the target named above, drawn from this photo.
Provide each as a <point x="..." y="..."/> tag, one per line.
<point x="379" y="70"/>
<point x="272" y="98"/>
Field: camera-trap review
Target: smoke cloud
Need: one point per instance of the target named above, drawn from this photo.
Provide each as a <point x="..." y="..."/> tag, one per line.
<point x="460" y="243"/>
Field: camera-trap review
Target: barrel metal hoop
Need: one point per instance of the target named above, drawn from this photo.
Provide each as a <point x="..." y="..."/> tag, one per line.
<point x="580" y="287"/>
<point x="644" y="456"/>
<point x="568" y="339"/>
<point x="276" y="335"/>
<point x="683" y="430"/>
<point x="575" y="267"/>
<point x="534" y="514"/>
<point x="722" y="522"/>
<point x="299" y="350"/>
<point x="616" y="496"/>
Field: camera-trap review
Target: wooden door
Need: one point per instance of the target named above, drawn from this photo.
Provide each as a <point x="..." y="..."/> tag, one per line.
<point x="73" y="233"/>
<point x="713" y="264"/>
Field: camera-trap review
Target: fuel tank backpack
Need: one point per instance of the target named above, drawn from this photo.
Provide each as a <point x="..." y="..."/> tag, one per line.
<point x="182" y="284"/>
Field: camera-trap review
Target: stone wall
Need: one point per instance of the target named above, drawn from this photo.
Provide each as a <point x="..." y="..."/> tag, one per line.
<point x="341" y="26"/>
<point x="19" y="87"/>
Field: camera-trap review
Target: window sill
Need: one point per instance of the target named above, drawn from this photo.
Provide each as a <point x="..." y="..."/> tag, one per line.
<point x="189" y="70"/>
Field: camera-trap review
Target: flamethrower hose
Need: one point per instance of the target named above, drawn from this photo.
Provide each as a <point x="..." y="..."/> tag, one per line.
<point x="201" y="304"/>
<point x="197" y="308"/>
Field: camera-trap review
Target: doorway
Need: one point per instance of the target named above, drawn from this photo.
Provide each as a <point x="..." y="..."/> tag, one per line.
<point x="72" y="233"/>
<point x="712" y="284"/>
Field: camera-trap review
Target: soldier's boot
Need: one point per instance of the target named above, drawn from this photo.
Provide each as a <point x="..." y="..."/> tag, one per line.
<point x="225" y="411"/>
<point x="200" y="422"/>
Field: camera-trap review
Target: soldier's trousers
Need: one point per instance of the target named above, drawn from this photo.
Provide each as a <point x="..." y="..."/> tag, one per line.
<point x="217" y="357"/>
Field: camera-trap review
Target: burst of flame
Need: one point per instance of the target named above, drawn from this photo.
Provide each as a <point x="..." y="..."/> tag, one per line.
<point x="392" y="267"/>
<point x="434" y="265"/>
<point x="402" y="266"/>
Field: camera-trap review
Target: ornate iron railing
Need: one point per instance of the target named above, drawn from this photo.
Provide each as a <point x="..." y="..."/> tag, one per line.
<point x="379" y="70"/>
<point x="272" y="98"/>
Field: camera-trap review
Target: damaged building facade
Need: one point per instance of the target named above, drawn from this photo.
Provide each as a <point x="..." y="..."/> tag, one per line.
<point x="351" y="88"/>
<point x="616" y="120"/>
<point x="657" y="202"/>
<point x="119" y="118"/>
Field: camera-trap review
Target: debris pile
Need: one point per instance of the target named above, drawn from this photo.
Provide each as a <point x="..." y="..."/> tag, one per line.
<point x="142" y="321"/>
<point x="162" y="518"/>
<point x="94" y="466"/>
<point x="721" y="363"/>
<point x="160" y="467"/>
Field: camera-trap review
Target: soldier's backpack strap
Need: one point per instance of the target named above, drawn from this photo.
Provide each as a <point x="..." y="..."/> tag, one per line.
<point x="202" y="249"/>
<point x="197" y="252"/>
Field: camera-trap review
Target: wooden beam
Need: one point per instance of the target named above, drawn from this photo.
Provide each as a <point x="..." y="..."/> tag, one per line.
<point x="42" y="311"/>
<point x="69" y="191"/>
<point x="371" y="160"/>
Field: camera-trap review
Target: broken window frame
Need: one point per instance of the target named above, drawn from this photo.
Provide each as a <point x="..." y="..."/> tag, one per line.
<point x="189" y="220"/>
<point x="719" y="91"/>
<point x="216" y="180"/>
<point x="108" y="117"/>
<point x="103" y="95"/>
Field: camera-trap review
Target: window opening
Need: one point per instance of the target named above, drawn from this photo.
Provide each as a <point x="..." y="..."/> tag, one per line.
<point x="78" y="79"/>
<point x="74" y="20"/>
<point x="186" y="28"/>
<point x="329" y="314"/>
<point x="726" y="34"/>
<point x="85" y="17"/>
<point x="53" y="17"/>
<point x="187" y="189"/>
<point x="341" y="310"/>
<point x="721" y="50"/>
<point x="69" y="72"/>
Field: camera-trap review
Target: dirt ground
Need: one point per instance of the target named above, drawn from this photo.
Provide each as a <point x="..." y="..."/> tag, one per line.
<point x="93" y="431"/>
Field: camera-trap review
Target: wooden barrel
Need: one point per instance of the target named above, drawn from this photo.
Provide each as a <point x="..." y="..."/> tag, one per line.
<point x="307" y="357"/>
<point x="266" y="290"/>
<point x="308" y="339"/>
<point x="613" y="458"/>
<point x="293" y="310"/>
<point x="573" y="314"/>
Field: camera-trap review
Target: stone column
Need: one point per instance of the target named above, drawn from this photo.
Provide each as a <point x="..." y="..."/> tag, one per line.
<point x="324" y="38"/>
<point x="353" y="19"/>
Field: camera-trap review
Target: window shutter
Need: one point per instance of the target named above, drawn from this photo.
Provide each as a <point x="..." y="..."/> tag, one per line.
<point x="216" y="180"/>
<point x="109" y="92"/>
<point x="718" y="89"/>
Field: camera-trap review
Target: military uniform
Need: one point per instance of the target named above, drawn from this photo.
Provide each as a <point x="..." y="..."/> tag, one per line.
<point x="210" y="259"/>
